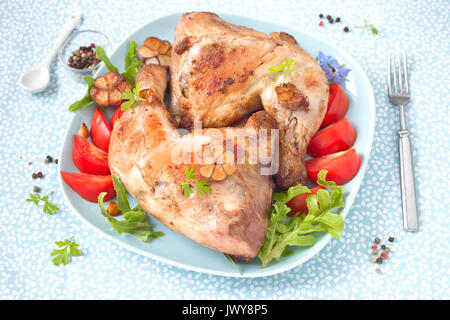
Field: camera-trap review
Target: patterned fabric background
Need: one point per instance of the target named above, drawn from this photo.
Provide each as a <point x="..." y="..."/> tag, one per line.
<point x="33" y="126"/>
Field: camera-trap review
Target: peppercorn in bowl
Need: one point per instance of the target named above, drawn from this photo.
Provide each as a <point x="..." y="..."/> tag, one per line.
<point x="78" y="53"/>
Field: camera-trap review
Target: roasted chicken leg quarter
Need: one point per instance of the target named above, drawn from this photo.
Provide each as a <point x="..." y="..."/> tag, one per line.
<point x="233" y="218"/>
<point x="219" y="75"/>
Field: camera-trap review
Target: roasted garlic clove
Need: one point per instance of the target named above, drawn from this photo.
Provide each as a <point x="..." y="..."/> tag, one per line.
<point x="217" y="164"/>
<point x="108" y="89"/>
<point x="283" y="36"/>
<point x="83" y="131"/>
<point x="290" y="97"/>
<point x="155" y="51"/>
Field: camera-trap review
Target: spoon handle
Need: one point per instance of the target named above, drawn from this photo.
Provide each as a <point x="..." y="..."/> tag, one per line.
<point x="73" y="21"/>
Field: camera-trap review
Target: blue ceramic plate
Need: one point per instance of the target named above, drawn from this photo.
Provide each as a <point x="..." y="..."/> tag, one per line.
<point x="180" y="251"/>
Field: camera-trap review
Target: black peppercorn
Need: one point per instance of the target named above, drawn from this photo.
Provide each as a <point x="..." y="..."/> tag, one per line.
<point x="346" y="29"/>
<point x="391" y="239"/>
<point x="330" y="20"/>
<point x="383" y="246"/>
<point x="379" y="260"/>
<point x="36" y="189"/>
<point x="328" y="17"/>
<point x="320" y="16"/>
<point x="56" y="161"/>
<point x="338" y="19"/>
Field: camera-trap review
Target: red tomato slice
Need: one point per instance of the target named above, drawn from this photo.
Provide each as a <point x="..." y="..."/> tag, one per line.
<point x="89" y="186"/>
<point x="116" y="116"/>
<point x="338" y="103"/>
<point x="298" y="203"/>
<point x="88" y="158"/>
<point x="341" y="166"/>
<point x="100" y="130"/>
<point x="338" y="136"/>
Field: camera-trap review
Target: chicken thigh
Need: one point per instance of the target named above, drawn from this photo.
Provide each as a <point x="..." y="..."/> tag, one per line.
<point x="219" y="75"/>
<point x="144" y="153"/>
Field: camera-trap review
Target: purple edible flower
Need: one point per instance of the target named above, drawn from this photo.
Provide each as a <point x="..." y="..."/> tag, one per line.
<point x="335" y="72"/>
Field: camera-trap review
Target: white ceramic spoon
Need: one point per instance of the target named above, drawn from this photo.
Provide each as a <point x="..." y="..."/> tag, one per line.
<point x="37" y="80"/>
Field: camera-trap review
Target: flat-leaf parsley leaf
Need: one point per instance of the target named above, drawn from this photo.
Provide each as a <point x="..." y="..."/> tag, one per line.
<point x="36" y="198"/>
<point x="202" y="186"/>
<point x="61" y="256"/>
<point x="132" y="96"/>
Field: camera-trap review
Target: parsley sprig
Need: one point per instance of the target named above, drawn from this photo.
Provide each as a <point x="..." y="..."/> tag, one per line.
<point x="132" y="96"/>
<point x="369" y="26"/>
<point x="36" y="198"/>
<point x="286" y="67"/>
<point x="202" y="186"/>
<point x="61" y="256"/>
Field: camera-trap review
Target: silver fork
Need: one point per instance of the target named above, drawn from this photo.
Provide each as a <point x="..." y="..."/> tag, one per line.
<point x="398" y="91"/>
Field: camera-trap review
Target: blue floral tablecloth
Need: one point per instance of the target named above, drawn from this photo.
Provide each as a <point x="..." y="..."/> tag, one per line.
<point x="33" y="126"/>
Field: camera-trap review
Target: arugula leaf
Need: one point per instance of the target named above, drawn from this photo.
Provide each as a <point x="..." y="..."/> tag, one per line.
<point x="286" y="67"/>
<point x="61" y="256"/>
<point x="132" y="64"/>
<point x="36" y="198"/>
<point x="132" y="96"/>
<point x="101" y="54"/>
<point x="87" y="99"/>
<point x="202" y="186"/>
<point x="121" y="193"/>
<point x="298" y="230"/>
<point x="134" y="222"/>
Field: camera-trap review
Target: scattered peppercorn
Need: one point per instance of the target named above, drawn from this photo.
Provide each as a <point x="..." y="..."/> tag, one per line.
<point x="49" y="159"/>
<point x="379" y="260"/>
<point x="321" y="23"/>
<point x="34" y="175"/>
<point x="346" y="29"/>
<point x="36" y="189"/>
<point x="320" y="16"/>
<point x="338" y="19"/>
<point x="387" y="250"/>
<point x="374" y="251"/>
<point x="56" y="161"/>
<point x="391" y="239"/>
<point x="328" y="17"/>
<point x="83" y="58"/>
<point x="378" y="270"/>
<point x="373" y="258"/>
<point x="331" y="20"/>
<point x="377" y="240"/>
<point x="39" y="174"/>
<point x="383" y="246"/>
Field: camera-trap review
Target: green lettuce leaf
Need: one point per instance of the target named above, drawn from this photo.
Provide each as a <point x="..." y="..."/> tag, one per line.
<point x="297" y="230"/>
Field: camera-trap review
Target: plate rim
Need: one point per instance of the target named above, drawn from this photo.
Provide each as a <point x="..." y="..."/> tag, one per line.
<point x="315" y="249"/>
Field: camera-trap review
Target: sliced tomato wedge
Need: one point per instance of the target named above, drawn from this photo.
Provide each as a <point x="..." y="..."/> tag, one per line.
<point x="338" y="136"/>
<point x="342" y="166"/>
<point x="298" y="203"/>
<point x="88" y="158"/>
<point x="100" y="130"/>
<point x="338" y="103"/>
<point x="89" y="186"/>
<point x="116" y="116"/>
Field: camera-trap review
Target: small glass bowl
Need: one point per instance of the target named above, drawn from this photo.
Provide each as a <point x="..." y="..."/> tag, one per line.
<point x="74" y="42"/>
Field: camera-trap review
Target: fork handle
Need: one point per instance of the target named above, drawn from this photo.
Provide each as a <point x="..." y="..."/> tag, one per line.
<point x="409" y="203"/>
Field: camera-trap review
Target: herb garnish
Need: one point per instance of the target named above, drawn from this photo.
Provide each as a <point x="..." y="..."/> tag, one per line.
<point x="132" y="65"/>
<point x="36" y="198"/>
<point x="297" y="230"/>
<point x="61" y="256"/>
<point x="371" y="27"/>
<point x="132" y="96"/>
<point x="135" y="221"/>
<point x="286" y="67"/>
<point x="87" y="99"/>
<point x="202" y="185"/>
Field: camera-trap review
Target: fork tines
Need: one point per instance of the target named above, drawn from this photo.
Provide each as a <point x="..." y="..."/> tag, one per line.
<point x="397" y="72"/>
